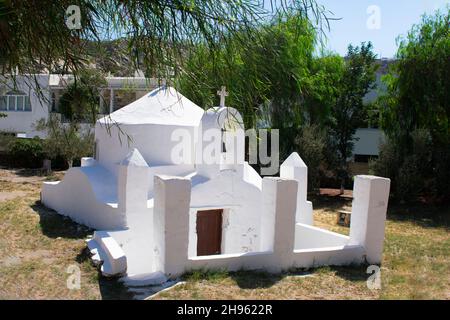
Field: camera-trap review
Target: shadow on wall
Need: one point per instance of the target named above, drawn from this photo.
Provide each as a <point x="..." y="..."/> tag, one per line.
<point x="54" y="225"/>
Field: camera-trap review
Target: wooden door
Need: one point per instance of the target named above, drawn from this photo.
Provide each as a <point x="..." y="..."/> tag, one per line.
<point x="209" y="232"/>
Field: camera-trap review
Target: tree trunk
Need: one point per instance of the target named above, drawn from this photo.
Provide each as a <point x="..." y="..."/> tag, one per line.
<point x="341" y="192"/>
<point x="70" y="162"/>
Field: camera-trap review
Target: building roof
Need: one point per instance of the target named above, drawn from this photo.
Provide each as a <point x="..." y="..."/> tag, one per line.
<point x="138" y="83"/>
<point x="164" y="106"/>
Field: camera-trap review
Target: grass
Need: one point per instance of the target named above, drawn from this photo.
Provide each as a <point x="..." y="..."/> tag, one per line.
<point x="37" y="246"/>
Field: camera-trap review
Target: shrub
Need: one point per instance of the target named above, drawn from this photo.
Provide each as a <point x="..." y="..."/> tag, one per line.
<point x="421" y="169"/>
<point x="27" y="153"/>
<point x="310" y="144"/>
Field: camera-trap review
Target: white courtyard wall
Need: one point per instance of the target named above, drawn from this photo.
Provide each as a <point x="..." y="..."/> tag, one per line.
<point x="309" y="237"/>
<point x="75" y="197"/>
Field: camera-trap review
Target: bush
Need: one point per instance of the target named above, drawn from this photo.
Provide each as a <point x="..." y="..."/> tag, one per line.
<point x="310" y="144"/>
<point x="27" y="153"/>
<point x="421" y="169"/>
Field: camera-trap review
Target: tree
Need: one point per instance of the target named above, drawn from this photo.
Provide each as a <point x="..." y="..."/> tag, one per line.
<point x="326" y="72"/>
<point x="267" y="77"/>
<point x="348" y="111"/>
<point x="415" y="112"/>
<point x="80" y="100"/>
<point x="156" y="36"/>
<point x="157" y="33"/>
<point x="418" y="84"/>
<point x="311" y="144"/>
<point x="69" y="140"/>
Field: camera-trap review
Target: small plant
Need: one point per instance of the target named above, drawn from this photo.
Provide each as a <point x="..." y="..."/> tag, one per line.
<point x="27" y="153"/>
<point x="66" y="140"/>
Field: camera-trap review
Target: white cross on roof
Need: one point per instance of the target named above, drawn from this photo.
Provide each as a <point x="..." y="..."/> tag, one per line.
<point x="222" y="93"/>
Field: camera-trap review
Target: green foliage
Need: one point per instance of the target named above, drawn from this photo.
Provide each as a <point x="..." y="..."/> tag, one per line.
<point x="80" y="100"/>
<point x="5" y="140"/>
<point x="269" y="68"/>
<point x="311" y="144"/>
<point x="422" y="171"/>
<point x="415" y="113"/>
<point x="156" y="34"/>
<point x="275" y="81"/>
<point x="27" y="153"/>
<point x="419" y="83"/>
<point x="348" y="111"/>
<point x="68" y="140"/>
<point x="323" y="79"/>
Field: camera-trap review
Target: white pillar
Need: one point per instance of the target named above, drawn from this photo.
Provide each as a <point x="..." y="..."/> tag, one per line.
<point x="111" y="100"/>
<point x="269" y="207"/>
<point x="133" y="184"/>
<point x="294" y="168"/>
<point x="171" y="224"/>
<point x="370" y="201"/>
<point x="278" y="220"/>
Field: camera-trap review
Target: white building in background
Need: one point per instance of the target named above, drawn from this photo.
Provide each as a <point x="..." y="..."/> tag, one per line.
<point x="157" y="218"/>
<point x="29" y="98"/>
<point x="367" y="141"/>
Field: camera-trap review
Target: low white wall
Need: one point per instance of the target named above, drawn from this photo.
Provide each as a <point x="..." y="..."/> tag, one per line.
<point x="75" y="197"/>
<point x="313" y="246"/>
<point x="309" y="237"/>
<point x="269" y="261"/>
<point x="329" y="256"/>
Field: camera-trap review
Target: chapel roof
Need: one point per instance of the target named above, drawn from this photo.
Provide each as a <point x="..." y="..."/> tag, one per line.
<point x="163" y="106"/>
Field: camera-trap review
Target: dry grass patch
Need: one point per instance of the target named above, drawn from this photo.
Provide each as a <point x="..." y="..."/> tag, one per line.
<point x="37" y="246"/>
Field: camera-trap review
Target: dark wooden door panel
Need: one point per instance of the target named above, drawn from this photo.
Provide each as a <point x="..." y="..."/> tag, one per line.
<point x="209" y="232"/>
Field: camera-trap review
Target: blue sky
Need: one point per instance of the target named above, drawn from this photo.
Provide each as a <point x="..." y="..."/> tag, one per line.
<point x="396" y="17"/>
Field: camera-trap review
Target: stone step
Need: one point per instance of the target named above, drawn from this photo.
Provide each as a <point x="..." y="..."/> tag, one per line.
<point x="106" y="250"/>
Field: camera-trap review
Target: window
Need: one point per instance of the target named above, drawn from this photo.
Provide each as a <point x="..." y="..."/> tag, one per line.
<point x="3" y="106"/>
<point x="224" y="146"/>
<point x="15" y="101"/>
